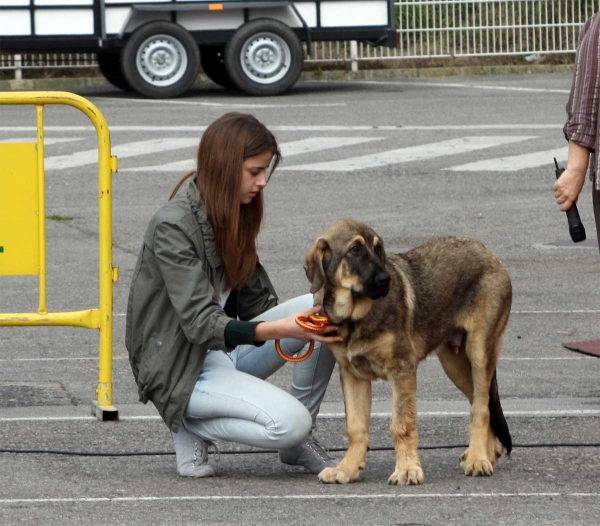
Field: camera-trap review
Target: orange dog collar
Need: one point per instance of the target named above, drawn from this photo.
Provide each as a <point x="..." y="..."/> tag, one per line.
<point x="314" y="323"/>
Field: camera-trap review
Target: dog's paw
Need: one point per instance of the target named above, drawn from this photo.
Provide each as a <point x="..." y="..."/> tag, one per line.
<point x="407" y="477"/>
<point x="476" y="467"/>
<point x="335" y="476"/>
<point x="495" y="450"/>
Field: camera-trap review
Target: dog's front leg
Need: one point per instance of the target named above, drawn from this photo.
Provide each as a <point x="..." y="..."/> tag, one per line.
<point x="357" y="399"/>
<point x="404" y="429"/>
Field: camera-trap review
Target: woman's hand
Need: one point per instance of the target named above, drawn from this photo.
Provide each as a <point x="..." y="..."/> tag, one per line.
<point x="568" y="187"/>
<point x="288" y="328"/>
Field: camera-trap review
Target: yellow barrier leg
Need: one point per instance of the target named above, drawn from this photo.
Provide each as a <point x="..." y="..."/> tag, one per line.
<point x="102" y="407"/>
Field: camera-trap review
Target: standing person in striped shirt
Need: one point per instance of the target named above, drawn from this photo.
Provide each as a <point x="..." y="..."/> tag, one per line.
<point x="581" y="128"/>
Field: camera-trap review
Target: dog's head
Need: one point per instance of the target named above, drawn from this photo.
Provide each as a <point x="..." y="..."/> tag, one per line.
<point x="346" y="267"/>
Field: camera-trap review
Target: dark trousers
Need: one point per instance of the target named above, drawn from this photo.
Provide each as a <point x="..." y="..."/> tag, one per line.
<point x="596" y="200"/>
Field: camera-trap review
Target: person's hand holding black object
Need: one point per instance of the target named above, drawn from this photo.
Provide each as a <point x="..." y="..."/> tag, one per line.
<point x="568" y="187"/>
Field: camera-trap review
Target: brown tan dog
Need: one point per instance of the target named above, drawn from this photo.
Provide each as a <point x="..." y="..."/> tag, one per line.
<point x="450" y="296"/>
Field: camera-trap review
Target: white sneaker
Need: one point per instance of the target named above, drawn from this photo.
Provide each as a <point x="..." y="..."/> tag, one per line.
<point x="311" y="453"/>
<point x="192" y="454"/>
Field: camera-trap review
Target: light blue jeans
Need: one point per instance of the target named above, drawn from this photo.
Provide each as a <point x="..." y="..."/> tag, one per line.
<point x="232" y="401"/>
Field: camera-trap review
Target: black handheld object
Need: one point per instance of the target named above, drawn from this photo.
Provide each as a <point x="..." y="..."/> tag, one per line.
<point x="576" y="228"/>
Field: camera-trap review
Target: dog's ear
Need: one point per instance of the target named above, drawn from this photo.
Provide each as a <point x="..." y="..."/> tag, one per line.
<point x="313" y="265"/>
<point x="379" y="248"/>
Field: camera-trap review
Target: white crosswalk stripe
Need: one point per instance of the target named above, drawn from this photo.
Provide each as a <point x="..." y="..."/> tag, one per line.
<point x="515" y="162"/>
<point x="316" y="144"/>
<point x="411" y="153"/>
<point x="177" y="166"/>
<point x="288" y="149"/>
<point x="122" y="151"/>
<point x="422" y="152"/>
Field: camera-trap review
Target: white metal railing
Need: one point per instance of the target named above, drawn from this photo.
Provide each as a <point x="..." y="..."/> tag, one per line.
<point x="47" y="60"/>
<point x="19" y="62"/>
<point x="486" y="27"/>
<point x="468" y="28"/>
<point x="426" y="29"/>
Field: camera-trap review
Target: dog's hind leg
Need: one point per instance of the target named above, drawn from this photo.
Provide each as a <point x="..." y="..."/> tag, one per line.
<point x="458" y="368"/>
<point x="499" y="434"/>
<point x="357" y="401"/>
<point x="475" y="461"/>
<point x="498" y="424"/>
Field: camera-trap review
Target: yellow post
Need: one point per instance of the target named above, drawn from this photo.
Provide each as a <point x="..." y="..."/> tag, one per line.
<point x="39" y="109"/>
<point x="101" y="318"/>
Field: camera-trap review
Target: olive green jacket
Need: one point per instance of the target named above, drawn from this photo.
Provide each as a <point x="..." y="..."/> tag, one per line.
<point x="173" y="312"/>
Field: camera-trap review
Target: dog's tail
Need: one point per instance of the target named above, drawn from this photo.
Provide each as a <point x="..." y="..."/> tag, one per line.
<point x="497" y="420"/>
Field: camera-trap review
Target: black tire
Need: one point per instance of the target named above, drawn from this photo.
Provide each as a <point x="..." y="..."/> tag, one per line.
<point x="109" y="65"/>
<point x="160" y="60"/>
<point x="264" y="57"/>
<point x="211" y="59"/>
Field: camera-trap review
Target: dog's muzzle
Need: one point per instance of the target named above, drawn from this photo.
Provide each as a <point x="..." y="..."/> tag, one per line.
<point x="378" y="287"/>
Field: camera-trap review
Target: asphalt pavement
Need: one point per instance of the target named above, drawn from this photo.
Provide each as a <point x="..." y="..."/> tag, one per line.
<point x="413" y="158"/>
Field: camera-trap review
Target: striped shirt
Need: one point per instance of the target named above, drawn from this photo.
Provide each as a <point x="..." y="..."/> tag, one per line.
<point x="582" y="108"/>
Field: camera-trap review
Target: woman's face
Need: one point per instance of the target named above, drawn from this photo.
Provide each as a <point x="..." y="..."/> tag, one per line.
<point x="254" y="176"/>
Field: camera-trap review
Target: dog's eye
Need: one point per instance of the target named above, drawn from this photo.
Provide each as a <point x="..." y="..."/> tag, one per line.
<point x="355" y="249"/>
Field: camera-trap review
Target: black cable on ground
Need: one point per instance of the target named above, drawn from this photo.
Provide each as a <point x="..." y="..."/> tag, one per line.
<point x="262" y="451"/>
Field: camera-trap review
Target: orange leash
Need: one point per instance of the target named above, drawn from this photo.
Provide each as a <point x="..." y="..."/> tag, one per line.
<point x="315" y="323"/>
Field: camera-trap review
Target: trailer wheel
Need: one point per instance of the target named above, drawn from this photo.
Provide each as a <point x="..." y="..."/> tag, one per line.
<point x="160" y="60"/>
<point x="109" y="65"/>
<point x="264" y="57"/>
<point x="211" y="58"/>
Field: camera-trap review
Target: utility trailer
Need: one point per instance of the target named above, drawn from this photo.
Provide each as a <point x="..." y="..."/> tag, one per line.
<point x="156" y="47"/>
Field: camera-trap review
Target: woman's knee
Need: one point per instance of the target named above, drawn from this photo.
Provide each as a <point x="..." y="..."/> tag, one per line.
<point x="290" y="426"/>
<point x="297" y="304"/>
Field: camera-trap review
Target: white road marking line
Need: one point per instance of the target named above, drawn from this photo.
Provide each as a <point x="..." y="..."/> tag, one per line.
<point x="580" y="311"/>
<point x="312" y="128"/>
<point x="342" y="496"/>
<point x="51" y="418"/>
<point x="455" y="85"/>
<point x="288" y="149"/>
<point x="502" y="358"/>
<point x="576" y="311"/>
<point x="421" y="414"/>
<point x="226" y="104"/>
<point x="74" y="359"/>
<point x="123" y="151"/>
<point x="410" y="154"/>
<point x="46" y="140"/>
<point x="466" y="413"/>
<point x="548" y="413"/>
<point x="125" y="357"/>
<point x="542" y="246"/>
<point x="515" y="162"/>
<point x="543" y="358"/>
<point x="442" y="127"/>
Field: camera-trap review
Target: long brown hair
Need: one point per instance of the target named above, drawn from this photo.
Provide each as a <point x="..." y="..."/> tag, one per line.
<point x="224" y="145"/>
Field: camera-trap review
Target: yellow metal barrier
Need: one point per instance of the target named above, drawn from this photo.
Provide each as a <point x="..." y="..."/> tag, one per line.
<point x="23" y="248"/>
